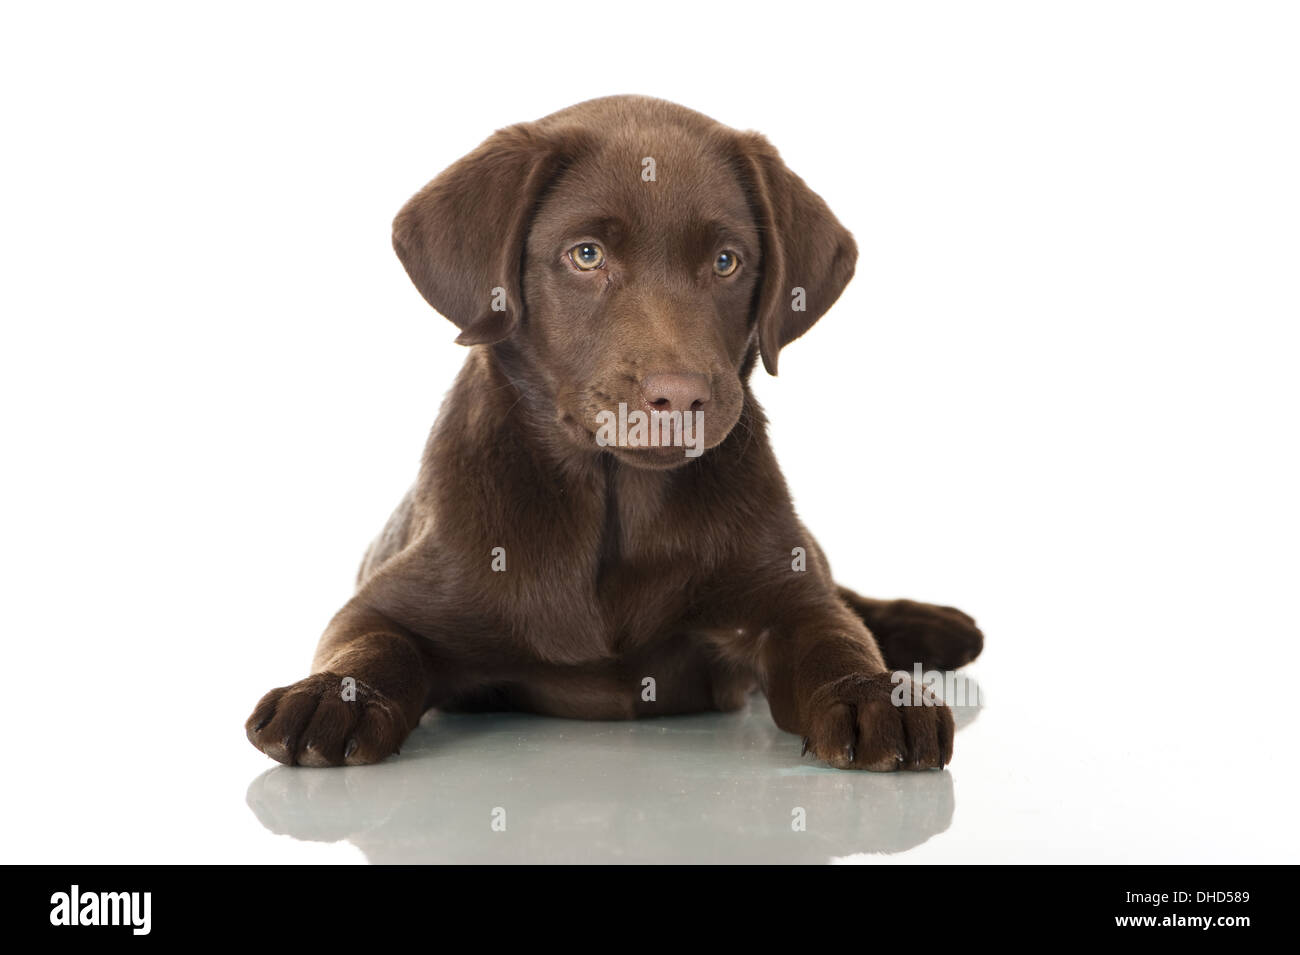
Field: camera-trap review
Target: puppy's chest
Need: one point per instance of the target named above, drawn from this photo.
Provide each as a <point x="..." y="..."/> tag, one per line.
<point x="620" y="569"/>
<point x="652" y="564"/>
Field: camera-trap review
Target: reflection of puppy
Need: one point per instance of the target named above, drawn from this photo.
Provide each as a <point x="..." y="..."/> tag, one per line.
<point x="437" y="803"/>
<point x="623" y="253"/>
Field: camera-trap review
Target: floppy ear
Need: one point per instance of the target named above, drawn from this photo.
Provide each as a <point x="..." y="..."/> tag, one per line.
<point x="804" y="247"/>
<point x="461" y="237"/>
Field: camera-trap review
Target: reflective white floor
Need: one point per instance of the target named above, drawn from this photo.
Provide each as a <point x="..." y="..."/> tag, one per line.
<point x="730" y="788"/>
<point x="1053" y="771"/>
<point x="1127" y="777"/>
<point x="501" y="788"/>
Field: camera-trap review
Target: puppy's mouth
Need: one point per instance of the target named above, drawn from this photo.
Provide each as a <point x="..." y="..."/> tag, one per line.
<point x="656" y="459"/>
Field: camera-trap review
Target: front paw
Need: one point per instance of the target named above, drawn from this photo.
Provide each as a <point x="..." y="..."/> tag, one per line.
<point x="878" y="722"/>
<point x="326" y="720"/>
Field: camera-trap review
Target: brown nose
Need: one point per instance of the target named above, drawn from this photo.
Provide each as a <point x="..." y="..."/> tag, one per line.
<point x="676" y="392"/>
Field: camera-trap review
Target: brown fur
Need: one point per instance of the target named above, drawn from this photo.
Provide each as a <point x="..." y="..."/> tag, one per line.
<point x="621" y="563"/>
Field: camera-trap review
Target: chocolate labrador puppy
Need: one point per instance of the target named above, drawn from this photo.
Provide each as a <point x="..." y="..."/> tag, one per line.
<point x="599" y="528"/>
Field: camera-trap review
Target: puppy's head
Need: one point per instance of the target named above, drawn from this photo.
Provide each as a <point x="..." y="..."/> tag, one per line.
<point x="630" y="257"/>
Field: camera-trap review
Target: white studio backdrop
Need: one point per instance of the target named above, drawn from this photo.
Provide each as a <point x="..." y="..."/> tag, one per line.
<point x="1060" y="392"/>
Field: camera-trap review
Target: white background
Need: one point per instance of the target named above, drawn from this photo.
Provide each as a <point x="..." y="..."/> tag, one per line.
<point x="1060" y="393"/>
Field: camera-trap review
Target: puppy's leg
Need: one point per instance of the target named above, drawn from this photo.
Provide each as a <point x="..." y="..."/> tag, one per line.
<point x="908" y="632"/>
<point x="826" y="680"/>
<point x="370" y="682"/>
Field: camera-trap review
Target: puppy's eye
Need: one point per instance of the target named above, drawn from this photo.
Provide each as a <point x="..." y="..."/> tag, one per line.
<point x="587" y="256"/>
<point x="726" y="262"/>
